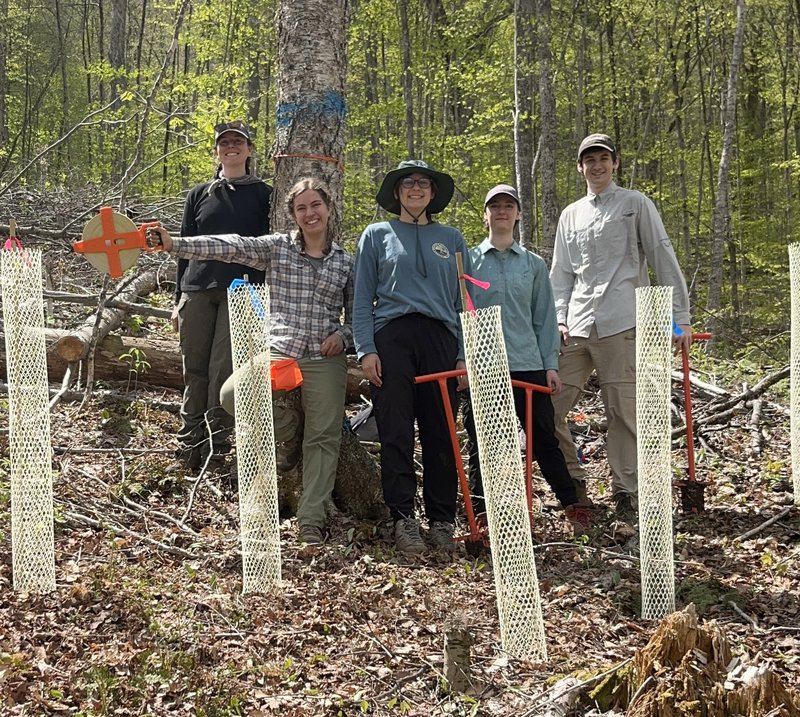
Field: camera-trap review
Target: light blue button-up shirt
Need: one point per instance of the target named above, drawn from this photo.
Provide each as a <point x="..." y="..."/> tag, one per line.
<point x="520" y="285"/>
<point x="604" y="244"/>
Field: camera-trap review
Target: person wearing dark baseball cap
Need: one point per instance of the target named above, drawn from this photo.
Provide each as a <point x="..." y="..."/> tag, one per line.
<point x="234" y="201"/>
<point x="604" y="244"/>
<point x="405" y="324"/>
<point x="518" y="283"/>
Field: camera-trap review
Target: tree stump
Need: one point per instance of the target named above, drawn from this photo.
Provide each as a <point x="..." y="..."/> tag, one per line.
<point x="685" y="671"/>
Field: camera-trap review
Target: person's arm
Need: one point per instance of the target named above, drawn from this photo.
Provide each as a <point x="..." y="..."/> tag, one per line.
<point x="543" y="315"/>
<point x="230" y="248"/>
<point x="342" y="337"/>
<point x="661" y="257"/>
<point x="562" y="279"/>
<point x="365" y="288"/>
<point x="366" y="285"/>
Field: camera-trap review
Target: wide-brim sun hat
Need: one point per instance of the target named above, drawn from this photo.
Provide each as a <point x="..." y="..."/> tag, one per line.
<point x="442" y="196"/>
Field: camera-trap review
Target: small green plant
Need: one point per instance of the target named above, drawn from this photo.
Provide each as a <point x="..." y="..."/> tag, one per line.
<point x="137" y="363"/>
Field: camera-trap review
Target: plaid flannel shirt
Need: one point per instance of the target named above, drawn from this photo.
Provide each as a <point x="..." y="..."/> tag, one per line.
<point x="306" y="306"/>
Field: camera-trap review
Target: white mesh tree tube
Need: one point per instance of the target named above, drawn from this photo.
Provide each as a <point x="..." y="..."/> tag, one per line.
<point x="518" y="603"/>
<point x="794" y="363"/>
<point x="653" y="367"/>
<point x="32" y="543"/>
<point x="255" y="438"/>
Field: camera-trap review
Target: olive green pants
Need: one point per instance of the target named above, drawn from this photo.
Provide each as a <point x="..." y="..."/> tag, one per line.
<point x="322" y="399"/>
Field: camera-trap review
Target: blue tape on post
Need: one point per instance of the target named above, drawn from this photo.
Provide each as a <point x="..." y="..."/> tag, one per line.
<point x="258" y="307"/>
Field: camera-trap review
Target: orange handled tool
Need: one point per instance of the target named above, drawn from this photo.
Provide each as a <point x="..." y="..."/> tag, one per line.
<point x="111" y="242"/>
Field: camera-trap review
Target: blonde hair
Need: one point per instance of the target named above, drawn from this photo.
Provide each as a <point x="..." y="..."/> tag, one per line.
<point x="318" y="186"/>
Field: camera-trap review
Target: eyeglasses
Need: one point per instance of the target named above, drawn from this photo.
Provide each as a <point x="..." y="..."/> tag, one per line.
<point x="409" y="182"/>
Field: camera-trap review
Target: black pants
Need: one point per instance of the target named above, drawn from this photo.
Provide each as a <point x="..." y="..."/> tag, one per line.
<point x="545" y="444"/>
<point x="415" y="345"/>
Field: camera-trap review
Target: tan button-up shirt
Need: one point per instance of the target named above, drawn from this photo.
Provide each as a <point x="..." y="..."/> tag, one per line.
<point x="603" y="246"/>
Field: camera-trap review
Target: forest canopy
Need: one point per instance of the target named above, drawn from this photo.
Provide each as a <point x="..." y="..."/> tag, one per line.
<point x="122" y="95"/>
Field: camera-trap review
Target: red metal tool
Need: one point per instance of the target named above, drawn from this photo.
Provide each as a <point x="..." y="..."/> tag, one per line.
<point x="692" y="490"/>
<point x="478" y="536"/>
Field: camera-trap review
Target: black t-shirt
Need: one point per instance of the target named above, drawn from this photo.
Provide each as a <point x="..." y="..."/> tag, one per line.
<point x="243" y="211"/>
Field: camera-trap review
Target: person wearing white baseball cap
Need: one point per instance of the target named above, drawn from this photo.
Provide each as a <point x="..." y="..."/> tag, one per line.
<point x="518" y="282"/>
<point x="604" y="244"/>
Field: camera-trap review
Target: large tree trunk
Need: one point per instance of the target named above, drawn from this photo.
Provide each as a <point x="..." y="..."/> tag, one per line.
<point x="310" y="123"/>
<point x="523" y="117"/>
<point x="721" y="231"/>
<point x="547" y="132"/>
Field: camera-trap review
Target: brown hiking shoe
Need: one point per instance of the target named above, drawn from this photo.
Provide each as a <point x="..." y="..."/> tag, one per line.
<point x="311" y="534"/>
<point x="579" y="517"/>
<point x="584" y="501"/>
<point x="625" y="507"/>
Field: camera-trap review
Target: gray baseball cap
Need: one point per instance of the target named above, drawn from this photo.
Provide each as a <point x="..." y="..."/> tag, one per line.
<point x="597" y="141"/>
<point x="502" y="189"/>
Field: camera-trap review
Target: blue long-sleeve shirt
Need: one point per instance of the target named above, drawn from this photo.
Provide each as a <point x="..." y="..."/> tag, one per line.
<point x="520" y="285"/>
<point x="404" y="269"/>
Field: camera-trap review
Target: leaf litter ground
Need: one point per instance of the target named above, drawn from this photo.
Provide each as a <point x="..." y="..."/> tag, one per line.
<point x="148" y="616"/>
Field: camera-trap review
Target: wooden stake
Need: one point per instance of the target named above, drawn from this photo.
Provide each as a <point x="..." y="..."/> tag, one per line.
<point x="462" y="284"/>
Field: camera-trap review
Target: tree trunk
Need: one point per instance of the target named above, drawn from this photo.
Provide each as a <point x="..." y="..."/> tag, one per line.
<point x="408" y="97"/>
<point x="547" y="132"/>
<point x="523" y="117"/>
<point x="310" y="123"/>
<point x="721" y="227"/>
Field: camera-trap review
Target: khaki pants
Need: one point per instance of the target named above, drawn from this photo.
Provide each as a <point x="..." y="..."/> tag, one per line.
<point x="322" y="398"/>
<point x="614" y="359"/>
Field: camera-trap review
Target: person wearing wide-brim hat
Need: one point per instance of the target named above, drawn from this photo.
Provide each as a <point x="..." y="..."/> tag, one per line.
<point x="405" y="324"/>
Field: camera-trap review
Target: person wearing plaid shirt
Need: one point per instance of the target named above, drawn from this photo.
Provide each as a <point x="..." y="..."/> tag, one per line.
<point x="311" y="301"/>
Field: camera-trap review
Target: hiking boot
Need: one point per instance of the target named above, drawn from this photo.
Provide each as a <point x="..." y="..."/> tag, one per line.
<point x="584" y="501"/>
<point x="440" y="536"/>
<point x="407" y="537"/>
<point x="311" y="534"/>
<point x="287" y="454"/>
<point x="187" y="459"/>
<point x="625" y="508"/>
<point x="579" y="517"/>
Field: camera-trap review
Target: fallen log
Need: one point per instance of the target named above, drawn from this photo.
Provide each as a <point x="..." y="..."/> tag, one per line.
<point x="91" y="300"/>
<point x="163" y="355"/>
<point x="74" y="346"/>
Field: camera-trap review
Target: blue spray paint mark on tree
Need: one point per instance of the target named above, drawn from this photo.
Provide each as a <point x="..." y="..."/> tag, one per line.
<point x="332" y="104"/>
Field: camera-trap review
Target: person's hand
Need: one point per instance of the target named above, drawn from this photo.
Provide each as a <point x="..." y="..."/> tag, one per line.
<point x="684" y="340"/>
<point x="564" y="331"/>
<point x="371" y="365"/>
<point x="333" y="345"/>
<point x="158" y="238"/>
<point x="462" y="381"/>
<point x="553" y="380"/>
<point x="174" y="320"/>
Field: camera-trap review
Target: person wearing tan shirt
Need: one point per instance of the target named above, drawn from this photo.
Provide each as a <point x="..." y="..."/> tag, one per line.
<point x="604" y="244"/>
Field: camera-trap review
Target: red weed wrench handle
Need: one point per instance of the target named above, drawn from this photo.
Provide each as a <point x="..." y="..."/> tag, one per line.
<point x="687" y="402"/>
